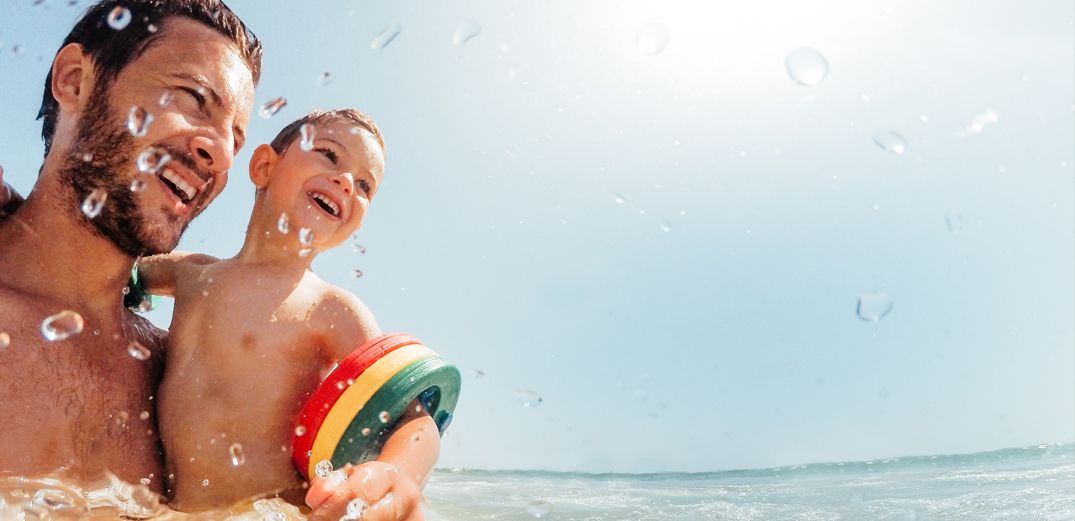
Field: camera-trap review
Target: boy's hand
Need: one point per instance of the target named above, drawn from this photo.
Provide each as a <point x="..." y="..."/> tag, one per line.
<point x="389" y="494"/>
<point x="9" y="198"/>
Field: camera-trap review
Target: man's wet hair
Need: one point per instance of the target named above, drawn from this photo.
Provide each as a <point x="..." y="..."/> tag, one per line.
<point x="113" y="49"/>
<point x="291" y="132"/>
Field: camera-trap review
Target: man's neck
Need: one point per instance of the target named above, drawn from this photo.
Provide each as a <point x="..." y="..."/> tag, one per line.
<point x="46" y="249"/>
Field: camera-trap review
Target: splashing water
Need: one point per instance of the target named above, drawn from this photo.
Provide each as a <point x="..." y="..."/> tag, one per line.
<point x="62" y="325"/>
<point x="119" y="17"/>
<point x="528" y="398"/>
<point x="138" y="351"/>
<point x="384" y="417"/>
<point x="324" y="79"/>
<point x="356" y="273"/>
<point x="306" y="236"/>
<point x="94" y="203"/>
<point x="873" y="306"/>
<point x="356" y="508"/>
<point x="282" y="224"/>
<point x="236" y="453"/>
<point x="890" y="141"/>
<point x="539" y="509"/>
<point x="300" y="431"/>
<point x="979" y="123"/>
<point x="323" y="468"/>
<point x="386" y="36"/>
<point x="467" y="29"/>
<point x="307" y="133"/>
<point x="652" y="38"/>
<point x="138" y="121"/>
<point x="366" y="431"/>
<point x="358" y="248"/>
<point x="166" y="98"/>
<point x="618" y="198"/>
<point x="271" y="107"/>
<point x="138" y="186"/>
<point x="806" y="66"/>
<point x="152" y="159"/>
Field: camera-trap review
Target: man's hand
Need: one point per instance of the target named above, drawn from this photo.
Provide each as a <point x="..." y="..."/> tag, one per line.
<point x="376" y="491"/>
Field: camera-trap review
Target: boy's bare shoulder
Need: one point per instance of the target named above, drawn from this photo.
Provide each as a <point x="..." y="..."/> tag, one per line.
<point x="344" y="321"/>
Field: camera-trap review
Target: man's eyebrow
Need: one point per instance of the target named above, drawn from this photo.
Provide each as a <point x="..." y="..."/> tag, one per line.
<point x="203" y="84"/>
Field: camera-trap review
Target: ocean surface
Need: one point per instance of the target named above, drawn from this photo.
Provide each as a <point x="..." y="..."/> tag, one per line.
<point x="1028" y="483"/>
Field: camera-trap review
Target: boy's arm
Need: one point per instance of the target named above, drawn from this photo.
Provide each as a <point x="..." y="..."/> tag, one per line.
<point x="159" y="274"/>
<point x="10" y="200"/>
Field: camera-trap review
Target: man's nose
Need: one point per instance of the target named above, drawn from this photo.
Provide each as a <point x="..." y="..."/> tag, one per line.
<point x="211" y="154"/>
<point x="347" y="181"/>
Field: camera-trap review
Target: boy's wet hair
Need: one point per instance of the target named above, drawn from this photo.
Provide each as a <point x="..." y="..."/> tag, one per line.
<point x="317" y="117"/>
<point x="112" y="50"/>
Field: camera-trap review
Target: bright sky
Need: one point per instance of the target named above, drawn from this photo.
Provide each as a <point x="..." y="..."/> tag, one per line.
<point x="667" y="240"/>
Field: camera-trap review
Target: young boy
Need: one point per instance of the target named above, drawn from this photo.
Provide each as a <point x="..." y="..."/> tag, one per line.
<point x="252" y="335"/>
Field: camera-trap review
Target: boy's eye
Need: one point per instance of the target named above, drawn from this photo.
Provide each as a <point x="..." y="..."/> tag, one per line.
<point x="329" y="154"/>
<point x="364" y="186"/>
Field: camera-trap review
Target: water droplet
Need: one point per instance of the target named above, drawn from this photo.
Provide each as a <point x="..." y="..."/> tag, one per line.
<point x="477" y="373"/>
<point x="356" y="508"/>
<point x="144" y="481"/>
<point x="94" y="202"/>
<point x="356" y="273"/>
<point x="538" y="509"/>
<point x="323" y="468"/>
<point x="873" y="306"/>
<point x="151" y="28"/>
<point x="5" y="340"/>
<point x="53" y="499"/>
<point x="652" y="38"/>
<point x="138" y="185"/>
<point x="954" y="222"/>
<point x="384" y="417"/>
<point x="324" y="79"/>
<point x="144" y="415"/>
<point x="300" y="430"/>
<point x="358" y="248"/>
<point x="282" y="224"/>
<point x="806" y="66"/>
<point x="166" y="98"/>
<point x="62" y="325"/>
<point x="467" y="29"/>
<point x="152" y="159"/>
<point x="306" y="236"/>
<point x="138" y="121"/>
<point x="528" y="398"/>
<point x="270" y="108"/>
<point x="890" y="141"/>
<point x="236" y="453"/>
<point x="386" y="36"/>
<point x="666" y="227"/>
<point x="924" y="118"/>
<point x="205" y="482"/>
<point x="618" y="198"/>
<point x="119" y="17"/>
<point x="138" y="351"/>
<point x="365" y="431"/>
<point x="305" y="252"/>
<point x="306" y="133"/>
<point x="980" y="122"/>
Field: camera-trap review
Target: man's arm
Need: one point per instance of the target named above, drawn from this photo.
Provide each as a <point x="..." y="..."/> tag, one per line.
<point x="159" y="274"/>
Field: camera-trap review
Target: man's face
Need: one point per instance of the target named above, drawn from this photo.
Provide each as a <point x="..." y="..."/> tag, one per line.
<point x="199" y="92"/>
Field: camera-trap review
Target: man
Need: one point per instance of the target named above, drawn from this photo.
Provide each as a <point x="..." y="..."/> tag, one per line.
<point x="79" y="373"/>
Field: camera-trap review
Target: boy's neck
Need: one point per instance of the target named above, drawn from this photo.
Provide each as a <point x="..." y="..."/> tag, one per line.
<point x="266" y="244"/>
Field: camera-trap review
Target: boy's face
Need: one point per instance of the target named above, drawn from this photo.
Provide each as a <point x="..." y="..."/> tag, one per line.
<point x="328" y="188"/>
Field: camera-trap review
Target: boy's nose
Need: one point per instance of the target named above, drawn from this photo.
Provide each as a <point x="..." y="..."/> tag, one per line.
<point x="347" y="181"/>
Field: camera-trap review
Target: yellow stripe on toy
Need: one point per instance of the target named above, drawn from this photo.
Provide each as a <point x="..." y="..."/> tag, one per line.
<point x="355" y="397"/>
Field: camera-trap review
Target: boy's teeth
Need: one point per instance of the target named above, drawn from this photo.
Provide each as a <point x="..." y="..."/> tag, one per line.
<point x="335" y="209"/>
<point x="188" y="191"/>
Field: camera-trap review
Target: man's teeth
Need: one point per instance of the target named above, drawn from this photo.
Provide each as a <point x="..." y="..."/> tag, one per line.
<point x="333" y="207"/>
<point x="188" y="191"/>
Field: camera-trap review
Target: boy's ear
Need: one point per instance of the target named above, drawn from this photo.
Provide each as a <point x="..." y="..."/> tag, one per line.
<point x="261" y="164"/>
<point x="72" y="77"/>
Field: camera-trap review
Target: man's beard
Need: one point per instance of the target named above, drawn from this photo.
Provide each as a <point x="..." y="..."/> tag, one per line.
<point x="102" y="152"/>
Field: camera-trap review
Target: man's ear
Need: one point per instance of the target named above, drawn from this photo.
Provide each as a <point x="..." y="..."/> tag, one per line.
<point x="261" y="163"/>
<point x="72" y="77"/>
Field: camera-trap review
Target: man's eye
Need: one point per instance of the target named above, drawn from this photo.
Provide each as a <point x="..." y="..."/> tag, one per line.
<point x="329" y="154"/>
<point x="194" y="94"/>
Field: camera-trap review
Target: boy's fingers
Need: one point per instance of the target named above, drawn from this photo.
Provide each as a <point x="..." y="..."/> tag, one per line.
<point x="322" y="489"/>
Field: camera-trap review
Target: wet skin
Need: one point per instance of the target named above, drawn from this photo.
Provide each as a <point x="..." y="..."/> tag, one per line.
<point x="76" y="405"/>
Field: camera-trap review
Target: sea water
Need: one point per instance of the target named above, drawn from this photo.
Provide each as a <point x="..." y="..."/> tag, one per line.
<point x="1030" y="483"/>
<point x="1034" y="483"/>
